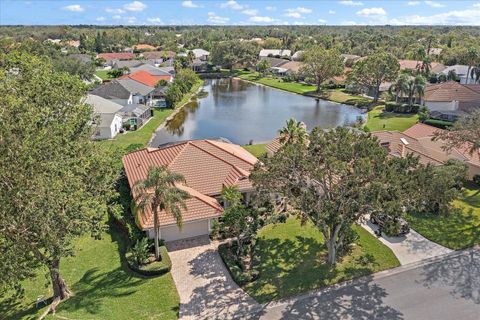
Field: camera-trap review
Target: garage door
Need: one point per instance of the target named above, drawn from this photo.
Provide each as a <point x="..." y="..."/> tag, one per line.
<point x="189" y="230"/>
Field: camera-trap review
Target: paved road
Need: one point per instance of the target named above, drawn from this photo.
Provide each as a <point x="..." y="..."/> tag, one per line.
<point x="205" y="286"/>
<point x="410" y="248"/>
<point x="446" y="288"/>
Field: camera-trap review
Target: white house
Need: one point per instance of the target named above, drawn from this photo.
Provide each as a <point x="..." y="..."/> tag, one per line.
<point x="277" y="53"/>
<point x="462" y="73"/>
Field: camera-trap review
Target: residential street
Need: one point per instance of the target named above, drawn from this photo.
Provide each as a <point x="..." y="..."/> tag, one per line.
<point x="447" y="288"/>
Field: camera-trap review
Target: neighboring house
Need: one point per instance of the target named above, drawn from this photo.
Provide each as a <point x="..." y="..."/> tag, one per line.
<point x="349" y="57"/>
<point x="144" y="47"/>
<point x="435" y="51"/>
<point x="413" y="65"/>
<point x="275" y="53"/>
<point x="201" y="54"/>
<point x="297" y="56"/>
<point x="417" y="140"/>
<point x="112" y="57"/>
<point x="274" y="62"/>
<point x="208" y="166"/>
<point x="199" y="65"/>
<point x="107" y="112"/>
<point x="291" y="66"/>
<point x="462" y="73"/>
<point x="119" y="64"/>
<point x="125" y="91"/>
<point x="82" y="57"/>
<point x="159" y="57"/>
<point x="73" y="43"/>
<point x="147" y="78"/>
<point x="156" y="71"/>
<point x="452" y="96"/>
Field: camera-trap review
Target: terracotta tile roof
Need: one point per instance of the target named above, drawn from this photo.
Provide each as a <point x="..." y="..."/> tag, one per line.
<point x="273" y="146"/>
<point x="420" y="130"/>
<point x="207" y="166"/>
<point x="143" y="46"/>
<point x="412" y="65"/>
<point x="452" y="91"/>
<point x="146" y="78"/>
<point x="116" y="56"/>
<point x="158" y="54"/>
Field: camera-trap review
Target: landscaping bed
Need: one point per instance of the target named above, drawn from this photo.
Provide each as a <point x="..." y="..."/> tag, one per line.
<point x="460" y="229"/>
<point x="291" y="259"/>
<point x="379" y="120"/>
<point x="153" y="268"/>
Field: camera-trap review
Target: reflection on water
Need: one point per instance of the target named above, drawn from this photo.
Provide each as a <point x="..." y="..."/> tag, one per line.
<point x="241" y="111"/>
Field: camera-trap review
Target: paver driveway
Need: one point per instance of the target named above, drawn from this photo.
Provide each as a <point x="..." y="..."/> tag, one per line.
<point x="410" y="248"/>
<point x="205" y="287"/>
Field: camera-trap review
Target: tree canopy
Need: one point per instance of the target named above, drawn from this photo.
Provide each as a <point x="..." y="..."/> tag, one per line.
<point x="321" y="64"/>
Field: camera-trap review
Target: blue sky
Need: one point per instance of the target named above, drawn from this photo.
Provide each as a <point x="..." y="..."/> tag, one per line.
<point x="238" y="12"/>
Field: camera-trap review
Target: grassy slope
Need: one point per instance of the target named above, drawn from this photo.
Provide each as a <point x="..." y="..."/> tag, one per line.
<point x="292" y="260"/>
<point x="340" y="96"/>
<point x="257" y="150"/>
<point x="379" y="120"/>
<point x="294" y="87"/>
<point x="103" y="287"/>
<point x="457" y="230"/>
<point x="103" y="74"/>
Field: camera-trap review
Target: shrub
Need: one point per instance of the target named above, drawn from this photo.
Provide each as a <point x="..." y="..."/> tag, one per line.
<point x="476" y="179"/>
<point x="140" y="251"/>
<point x="151" y="269"/>
<point x="402" y="108"/>
<point x="391" y="228"/>
<point x="442" y="124"/>
<point x="239" y="275"/>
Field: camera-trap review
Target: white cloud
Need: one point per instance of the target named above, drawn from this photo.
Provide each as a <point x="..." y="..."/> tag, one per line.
<point x="297" y="12"/>
<point x="476" y="5"/>
<point x="271" y="8"/>
<point x="214" y="19"/>
<point x="456" y="17"/>
<point x="331" y="12"/>
<point x="413" y="3"/>
<point x="116" y="11"/>
<point x="322" y="21"/>
<point x="135" y="6"/>
<point x="262" y="19"/>
<point x="155" y="20"/>
<point x="189" y="4"/>
<point x="74" y="8"/>
<point x="232" y="4"/>
<point x="434" y="4"/>
<point x="367" y="12"/>
<point x="100" y="19"/>
<point x="348" y="23"/>
<point x="131" y="20"/>
<point x="250" y="12"/>
<point x="351" y="3"/>
<point x="117" y="17"/>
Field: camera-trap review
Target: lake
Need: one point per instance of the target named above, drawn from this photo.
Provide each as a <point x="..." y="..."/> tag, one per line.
<point x="243" y="112"/>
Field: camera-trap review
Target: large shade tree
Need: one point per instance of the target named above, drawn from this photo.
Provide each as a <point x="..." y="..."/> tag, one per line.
<point x="158" y="193"/>
<point x="374" y="70"/>
<point x="56" y="183"/>
<point x="335" y="180"/>
<point x="230" y="53"/>
<point x="321" y="64"/>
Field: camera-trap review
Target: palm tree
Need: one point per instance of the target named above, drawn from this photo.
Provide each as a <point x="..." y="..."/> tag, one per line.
<point x="471" y="58"/>
<point x="160" y="193"/>
<point x="190" y="57"/>
<point x="400" y="86"/>
<point x="295" y="131"/>
<point x="475" y="73"/>
<point x="416" y="86"/>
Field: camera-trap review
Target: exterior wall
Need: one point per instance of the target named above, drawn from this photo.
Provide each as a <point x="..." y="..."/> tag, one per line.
<point x="103" y="133"/>
<point x="441" y="106"/>
<point x="189" y="230"/>
<point x="472" y="170"/>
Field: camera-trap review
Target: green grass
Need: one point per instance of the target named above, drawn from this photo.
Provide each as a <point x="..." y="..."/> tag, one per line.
<point x="380" y="120"/>
<point x="292" y="260"/>
<point x="460" y="229"/>
<point x="143" y="135"/>
<point x="103" y="74"/>
<point x="294" y="87"/>
<point x="340" y="96"/>
<point x="257" y="150"/>
<point x="103" y="287"/>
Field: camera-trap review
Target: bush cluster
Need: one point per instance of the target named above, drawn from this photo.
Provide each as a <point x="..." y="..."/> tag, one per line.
<point x="151" y="269"/>
<point x="402" y="108"/>
<point x="442" y="124"/>
<point x="236" y="269"/>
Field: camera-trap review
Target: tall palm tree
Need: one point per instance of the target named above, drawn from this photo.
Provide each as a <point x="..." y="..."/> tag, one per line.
<point x="400" y="86"/>
<point x="471" y="58"/>
<point x="295" y="131"/>
<point x="160" y="193"/>
<point x="190" y="57"/>
<point x="416" y="86"/>
<point x="475" y="73"/>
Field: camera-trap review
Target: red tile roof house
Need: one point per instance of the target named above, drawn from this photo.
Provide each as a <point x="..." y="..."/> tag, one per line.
<point x="452" y="96"/>
<point x="208" y="166"/>
<point x="111" y="57"/>
<point x="418" y="141"/>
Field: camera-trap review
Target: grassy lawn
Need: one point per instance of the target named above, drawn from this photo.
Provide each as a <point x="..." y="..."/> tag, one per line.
<point x="103" y="74"/>
<point x="292" y="260"/>
<point x="340" y="96"/>
<point x="380" y="120"/>
<point x="257" y="150"/>
<point x="103" y="287"/>
<point x="142" y="136"/>
<point x="459" y="229"/>
<point x="294" y="87"/>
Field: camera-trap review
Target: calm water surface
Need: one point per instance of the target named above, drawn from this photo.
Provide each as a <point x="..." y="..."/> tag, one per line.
<point x="243" y="112"/>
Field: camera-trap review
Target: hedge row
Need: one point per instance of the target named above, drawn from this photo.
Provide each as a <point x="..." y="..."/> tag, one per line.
<point x="402" y="108"/>
<point x="152" y="269"/>
<point x="240" y="276"/>
<point x="442" y="124"/>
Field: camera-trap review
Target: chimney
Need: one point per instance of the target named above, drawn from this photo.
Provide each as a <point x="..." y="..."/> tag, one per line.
<point x="403" y="145"/>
